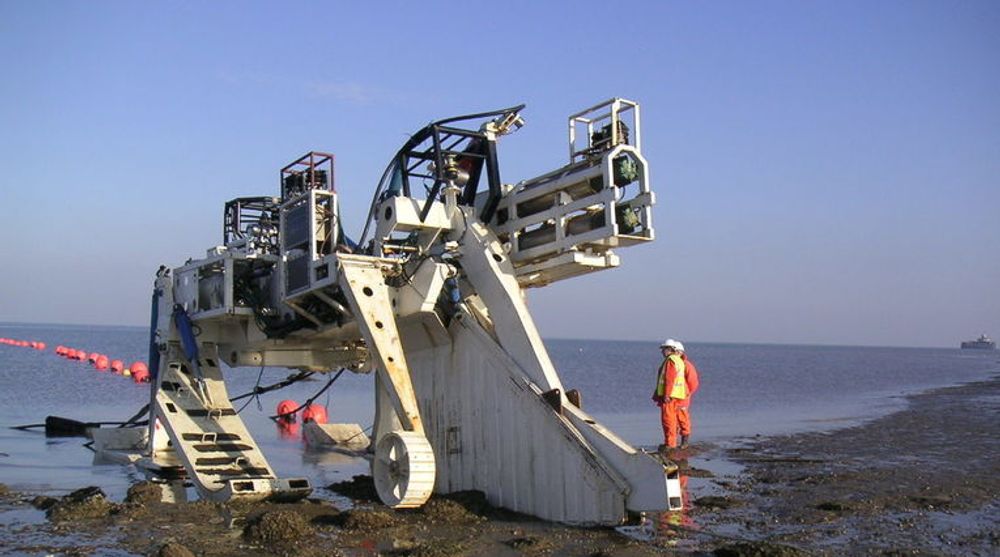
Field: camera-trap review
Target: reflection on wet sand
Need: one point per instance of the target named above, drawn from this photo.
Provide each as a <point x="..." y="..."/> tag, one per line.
<point x="672" y="527"/>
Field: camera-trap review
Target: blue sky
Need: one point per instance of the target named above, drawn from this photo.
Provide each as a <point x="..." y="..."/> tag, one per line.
<point x="825" y="172"/>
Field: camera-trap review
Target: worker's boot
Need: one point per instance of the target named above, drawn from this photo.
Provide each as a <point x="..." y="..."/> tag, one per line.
<point x="684" y="441"/>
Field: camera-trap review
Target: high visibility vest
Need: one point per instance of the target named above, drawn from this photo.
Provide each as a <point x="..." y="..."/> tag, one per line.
<point x="661" y="378"/>
<point x="679" y="388"/>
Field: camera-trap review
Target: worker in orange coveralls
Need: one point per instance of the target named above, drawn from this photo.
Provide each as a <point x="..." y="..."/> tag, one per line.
<point x="676" y="382"/>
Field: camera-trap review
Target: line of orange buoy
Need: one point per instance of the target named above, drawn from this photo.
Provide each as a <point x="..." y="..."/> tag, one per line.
<point x="288" y="425"/>
<point x="101" y="362"/>
<point x="23" y="343"/>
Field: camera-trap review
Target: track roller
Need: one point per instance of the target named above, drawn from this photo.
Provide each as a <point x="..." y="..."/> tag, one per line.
<point x="403" y="469"/>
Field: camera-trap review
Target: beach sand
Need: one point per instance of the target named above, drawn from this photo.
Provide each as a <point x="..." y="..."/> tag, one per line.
<point x="922" y="481"/>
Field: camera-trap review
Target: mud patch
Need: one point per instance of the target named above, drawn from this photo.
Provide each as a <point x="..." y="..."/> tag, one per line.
<point x="43" y="503"/>
<point x="697" y="473"/>
<point x="932" y="502"/>
<point x="757" y="549"/>
<point x="282" y="528"/>
<point x="529" y="544"/>
<point x="82" y="504"/>
<point x="441" y="548"/>
<point x="144" y="493"/>
<point x="173" y="549"/>
<point x="889" y="486"/>
<point x="367" y="520"/>
<point x="716" y="502"/>
<point x="448" y="511"/>
<point x="475" y="502"/>
<point x="359" y="488"/>
<point x="835" y="506"/>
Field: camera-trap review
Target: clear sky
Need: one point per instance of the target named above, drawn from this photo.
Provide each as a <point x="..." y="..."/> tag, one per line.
<point x="826" y="172"/>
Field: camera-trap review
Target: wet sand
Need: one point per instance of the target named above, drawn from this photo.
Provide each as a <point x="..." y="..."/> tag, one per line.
<point x="922" y="481"/>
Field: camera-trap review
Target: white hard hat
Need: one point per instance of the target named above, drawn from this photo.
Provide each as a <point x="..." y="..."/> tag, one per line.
<point x="671" y="343"/>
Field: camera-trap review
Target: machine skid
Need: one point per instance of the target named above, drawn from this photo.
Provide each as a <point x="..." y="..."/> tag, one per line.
<point x="432" y="298"/>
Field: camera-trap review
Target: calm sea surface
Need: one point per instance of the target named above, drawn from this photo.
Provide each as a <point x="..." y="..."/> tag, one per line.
<point x="746" y="390"/>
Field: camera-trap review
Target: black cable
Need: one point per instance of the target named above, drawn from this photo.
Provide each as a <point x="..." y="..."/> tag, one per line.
<point x="363" y="431"/>
<point x="310" y="399"/>
<point x="134" y="419"/>
<point x="92" y="424"/>
<point x="256" y="393"/>
<point x="275" y="386"/>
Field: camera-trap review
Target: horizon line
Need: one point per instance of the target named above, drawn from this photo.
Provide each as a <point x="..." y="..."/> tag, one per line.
<point x="754" y="343"/>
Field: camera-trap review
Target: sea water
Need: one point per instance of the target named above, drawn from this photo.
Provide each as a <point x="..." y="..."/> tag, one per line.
<point x="746" y="390"/>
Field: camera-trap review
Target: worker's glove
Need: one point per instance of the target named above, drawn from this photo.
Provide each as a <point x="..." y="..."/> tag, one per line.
<point x="658" y="400"/>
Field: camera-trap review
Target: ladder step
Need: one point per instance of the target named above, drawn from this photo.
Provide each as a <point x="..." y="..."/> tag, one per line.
<point x="202" y="412"/>
<point x="247" y="472"/>
<point x="219" y="460"/>
<point x="210" y="437"/>
<point x="222" y="447"/>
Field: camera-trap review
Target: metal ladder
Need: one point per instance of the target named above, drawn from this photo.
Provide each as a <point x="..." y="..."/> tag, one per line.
<point x="220" y="457"/>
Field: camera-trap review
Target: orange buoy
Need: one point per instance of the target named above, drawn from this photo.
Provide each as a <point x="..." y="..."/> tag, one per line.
<point x="117" y="366"/>
<point x="139" y="371"/>
<point x="101" y="363"/>
<point x="285" y="409"/>
<point x="314" y="413"/>
<point x="60" y="350"/>
<point x="39" y="346"/>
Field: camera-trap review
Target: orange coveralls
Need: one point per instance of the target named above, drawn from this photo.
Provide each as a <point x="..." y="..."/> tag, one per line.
<point x="674" y="412"/>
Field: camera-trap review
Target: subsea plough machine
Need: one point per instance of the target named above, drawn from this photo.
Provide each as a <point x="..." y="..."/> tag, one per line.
<point x="430" y="299"/>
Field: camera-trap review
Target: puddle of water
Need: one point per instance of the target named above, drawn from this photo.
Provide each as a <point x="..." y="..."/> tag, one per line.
<point x="981" y="521"/>
<point x="32" y="541"/>
<point x="20" y="516"/>
<point x="683" y="530"/>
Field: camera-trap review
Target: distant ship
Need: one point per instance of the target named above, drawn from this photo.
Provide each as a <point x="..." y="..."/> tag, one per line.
<point x="982" y="343"/>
